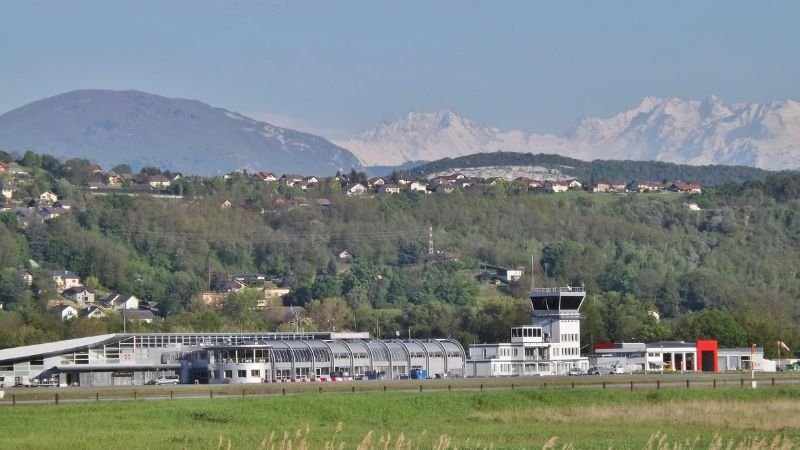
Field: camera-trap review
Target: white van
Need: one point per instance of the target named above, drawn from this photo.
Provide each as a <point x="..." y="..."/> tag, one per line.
<point x="166" y="379"/>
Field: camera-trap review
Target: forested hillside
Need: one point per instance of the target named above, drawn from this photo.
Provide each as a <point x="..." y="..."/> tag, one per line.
<point x="728" y="271"/>
<point x="601" y="170"/>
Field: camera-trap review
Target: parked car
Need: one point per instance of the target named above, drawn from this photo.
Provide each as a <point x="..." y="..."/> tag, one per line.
<point x="165" y="379"/>
<point x="375" y="375"/>
<point x="612" y="370"/>
<point x="576" y="371"/>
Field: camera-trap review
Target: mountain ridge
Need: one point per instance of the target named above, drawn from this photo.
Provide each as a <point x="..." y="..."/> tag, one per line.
<point x="141" y="129"/>
<point x="509" y="165"/>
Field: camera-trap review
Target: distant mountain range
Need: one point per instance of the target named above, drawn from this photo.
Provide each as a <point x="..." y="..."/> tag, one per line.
<point x="697" y="132"/>
<point x="113" y="127"/>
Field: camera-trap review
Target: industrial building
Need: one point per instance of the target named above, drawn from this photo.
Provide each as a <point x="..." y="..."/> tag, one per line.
<point x="679" y="356"/>
<point x="550" y="346"/>
<point x="138" y="358"/>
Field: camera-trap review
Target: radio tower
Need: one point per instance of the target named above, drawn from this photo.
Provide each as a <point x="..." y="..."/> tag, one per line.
<point x="430" y="239"/>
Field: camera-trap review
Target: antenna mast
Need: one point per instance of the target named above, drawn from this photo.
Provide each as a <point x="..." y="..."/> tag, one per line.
<point x="430" y="238"/>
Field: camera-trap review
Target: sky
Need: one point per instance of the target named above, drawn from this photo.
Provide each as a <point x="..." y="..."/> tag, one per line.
<point x="338" y="67"/>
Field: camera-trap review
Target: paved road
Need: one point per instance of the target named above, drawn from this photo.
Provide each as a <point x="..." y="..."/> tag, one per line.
<point x="52" y="395"/>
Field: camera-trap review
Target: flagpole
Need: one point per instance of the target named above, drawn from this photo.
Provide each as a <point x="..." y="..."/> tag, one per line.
<point x="753" y="366"/>
<point x="778" y="343"/>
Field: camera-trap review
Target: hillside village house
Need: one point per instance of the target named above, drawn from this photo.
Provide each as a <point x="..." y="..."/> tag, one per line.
<point x="7" y="190"/>
<point x="416" y="186"/>
<point x="93" y="312"/>
<point x="388" y="189"/>
<point x="686" y="187"/>
<point x="609" y="186"/>
<point x="65" y="279"/>
<point x="6" y="205"/>
<point x="644" y="186"/>
<point x="439" y="180"/>
<point x="345" y="256"/>
<point x="66" y="312"/>
<point x="158" y="182"/>
<point x="48" y="197"/>
<point x="290" y="179"/>
<point x="272" y="296"/>
<point x="267" y="176"/>
<point x="403" y="180"/>
<point x="375" y="182"/>
<point x="601" y="187"/>
<point x="531" y="183"/>
<point x="466" y="182"/>
<point x="51" y="213"/>
<point x="355" y="189"/>
<point x="112" y="178"/>
<point x="138" y="315"/>
<point x="556" y="186"/>
<point x="80" y="294"/>
<point x="119" y="302"/>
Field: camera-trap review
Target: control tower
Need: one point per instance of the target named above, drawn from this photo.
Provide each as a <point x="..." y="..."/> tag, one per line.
<point x="550" y="346"/>
<point x="557" y="312"/>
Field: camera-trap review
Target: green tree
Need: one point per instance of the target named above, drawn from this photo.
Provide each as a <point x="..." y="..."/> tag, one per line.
<point x="331" y="314"/>
<point x="241" y="306"/>
<point x="326" y="286"/>
<point x="712" y="324"/>
<point x="122" y="169"/>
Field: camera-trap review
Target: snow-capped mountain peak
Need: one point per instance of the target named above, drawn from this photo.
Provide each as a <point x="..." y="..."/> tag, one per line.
<point x="695" y="131"/>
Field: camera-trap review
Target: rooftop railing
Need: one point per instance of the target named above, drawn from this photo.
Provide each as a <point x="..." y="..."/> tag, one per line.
<point x="548" y="290"/>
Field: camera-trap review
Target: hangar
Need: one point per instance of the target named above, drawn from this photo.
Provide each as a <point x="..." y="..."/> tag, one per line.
<point x="137" y="358"/>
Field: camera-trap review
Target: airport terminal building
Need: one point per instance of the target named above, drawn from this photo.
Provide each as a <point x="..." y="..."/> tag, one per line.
<point x="137" y="358"/>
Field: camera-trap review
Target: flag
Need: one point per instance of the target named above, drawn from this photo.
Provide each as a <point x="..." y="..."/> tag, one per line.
<point x="782" y="344"/>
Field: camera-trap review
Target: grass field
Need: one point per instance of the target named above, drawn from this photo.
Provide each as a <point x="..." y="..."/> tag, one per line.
<point x="524" y="418"/>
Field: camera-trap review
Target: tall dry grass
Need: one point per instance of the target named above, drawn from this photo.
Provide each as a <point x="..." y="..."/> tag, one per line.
<point x="771" y="416"/>
<point x="657" y="441"/>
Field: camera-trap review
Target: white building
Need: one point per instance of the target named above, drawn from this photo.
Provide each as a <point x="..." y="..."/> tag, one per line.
<point x="550" y="346"/>
<point x="679" y="356"/>
<point x="126" y="359"/>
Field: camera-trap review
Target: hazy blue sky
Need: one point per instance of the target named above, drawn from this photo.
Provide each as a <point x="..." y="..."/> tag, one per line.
<point x="342" y="66"/>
